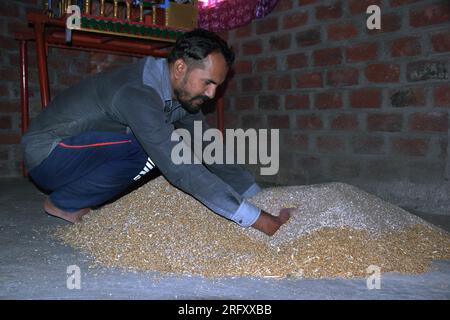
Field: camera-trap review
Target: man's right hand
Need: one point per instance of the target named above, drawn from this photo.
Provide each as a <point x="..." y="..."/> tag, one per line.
<point x="269" y="224"/>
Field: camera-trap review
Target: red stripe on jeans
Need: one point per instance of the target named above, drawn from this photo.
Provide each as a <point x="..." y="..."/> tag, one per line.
<point x="100" y="144"/>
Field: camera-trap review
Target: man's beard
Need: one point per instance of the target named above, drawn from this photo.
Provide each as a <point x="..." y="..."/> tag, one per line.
<point x="187" y="104"/>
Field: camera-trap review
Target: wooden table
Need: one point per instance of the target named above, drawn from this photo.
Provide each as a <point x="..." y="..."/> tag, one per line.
<point x="48" y="32"/>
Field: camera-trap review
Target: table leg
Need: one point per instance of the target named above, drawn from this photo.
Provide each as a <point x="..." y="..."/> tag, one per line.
<point x="41" y="55"/>
<point x="220" y="114"/>
<point x="24" y="84"/>
<point x="24" y="90"/>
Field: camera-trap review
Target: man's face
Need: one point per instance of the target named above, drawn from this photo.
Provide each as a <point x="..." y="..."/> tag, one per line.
<point x="199" y="83"/>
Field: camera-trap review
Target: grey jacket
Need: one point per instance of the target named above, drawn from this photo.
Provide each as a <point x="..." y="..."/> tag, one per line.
<point x="138" y="97"/>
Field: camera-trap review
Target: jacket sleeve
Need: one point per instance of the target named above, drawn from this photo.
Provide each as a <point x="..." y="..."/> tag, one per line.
<point x="237" y="176"/>
<point x="141" y="109"/>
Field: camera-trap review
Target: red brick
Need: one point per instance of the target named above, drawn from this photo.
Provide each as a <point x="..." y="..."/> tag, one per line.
<point x="243" y="66"/>
<point x="432" y="121"/>
<point x="441" y="42"/>
<point x="396" y="3"/>
<point x="405" y="47"/>
<point x="252" y="121"/>
<point x="330" y="144"/>
<point x="18" y="26"/>
<point x="266" y="64"/>
<point x="271" y="102"/>
<point x="228" y="100"/>
<point x="267" y="25"/>
<point x="384" y="122"/>
<point x="9" y="9"/>
<point x="280" y="42"/>
<point x="342" y="77"/>
<point x="442" y="96"/>
<point x="277" y="82"/>
<point x="433" y="14"/>
<point x="5" y="122"/>
<point x="363" y="52"/>
<point x="309" y="80"/>
<point x="296" y="140"/>
<point x="252" y="47"/>
<point x="8" y="43"/>
<point x="368" y="145"/>
<point x="410" y="97"/>
<point x="10" y="73"/>
<point x="243" y="32"/>
<point x="251" y="84"/>
<point x="306" y="2"/>
<point x="360" y="6"/>
<point x="380" y="73"/>
<point x="390" y="22"/>
<point x="244" y="103"/>
<point x="275" y="121"/>
<point x="333" y="11"/>
<point x="365" y="98"/>
<point x="409" y="146"/>
<point x="231" y="121"/>
<point x="9" y="138"/>
<point x="295" y="20"/>
<point x="297" y="60"/>
<point x="344" y="122"/>
<point x="232" y="86"/>
<point x="283" y="5"/>
<point x="224" y="35"/>
<point x="4" y="91"/>
<point x="328" y="100"/>
<point x="308" y="38"/>
<point x="9" y="106"/>
<point x="296" y="101"/>
<point x="326" y="57"/>
<point x="14" y="59"/>
<point x="312" y="122"/>
<point x="342" y="31"/>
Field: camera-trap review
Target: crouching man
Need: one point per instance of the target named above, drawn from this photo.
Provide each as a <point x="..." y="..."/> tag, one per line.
<point x="98" y="137"/>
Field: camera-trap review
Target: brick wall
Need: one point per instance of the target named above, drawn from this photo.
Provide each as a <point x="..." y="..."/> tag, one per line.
<point x="11" y="16"/>
<point x="351" y="104"/>
<point x="66" y="67"/>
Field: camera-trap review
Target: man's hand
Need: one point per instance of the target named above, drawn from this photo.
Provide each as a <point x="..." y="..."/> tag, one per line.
<point x="270" y="224"/>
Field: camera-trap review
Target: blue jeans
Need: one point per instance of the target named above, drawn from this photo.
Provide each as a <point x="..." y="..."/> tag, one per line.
<point x="89" y="169"/>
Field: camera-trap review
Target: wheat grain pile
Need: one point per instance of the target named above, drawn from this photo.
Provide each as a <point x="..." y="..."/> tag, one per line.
<point x="338" y="231"/>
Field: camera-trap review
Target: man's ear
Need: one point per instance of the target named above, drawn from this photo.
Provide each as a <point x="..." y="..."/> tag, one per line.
<point x="179" y="69"/>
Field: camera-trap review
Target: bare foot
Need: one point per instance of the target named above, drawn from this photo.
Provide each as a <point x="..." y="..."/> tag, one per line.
<point x="270" y="224"/>
<point x="73" y="217"/>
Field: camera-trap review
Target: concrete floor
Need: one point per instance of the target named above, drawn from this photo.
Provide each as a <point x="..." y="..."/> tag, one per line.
<point x="33" y="266"/>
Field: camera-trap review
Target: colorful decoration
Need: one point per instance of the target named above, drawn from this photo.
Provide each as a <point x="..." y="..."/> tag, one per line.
<point x="219" y="15"/>
<point x="163" y="20"/>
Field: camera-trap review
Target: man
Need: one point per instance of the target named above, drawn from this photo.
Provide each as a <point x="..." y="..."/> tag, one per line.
<point x="97" y="138"/>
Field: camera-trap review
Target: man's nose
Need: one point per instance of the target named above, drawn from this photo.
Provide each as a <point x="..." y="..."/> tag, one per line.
<point x="211" y="91"/>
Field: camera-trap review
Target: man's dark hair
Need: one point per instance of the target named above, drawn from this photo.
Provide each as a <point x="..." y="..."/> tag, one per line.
<point x="197" y="45"/>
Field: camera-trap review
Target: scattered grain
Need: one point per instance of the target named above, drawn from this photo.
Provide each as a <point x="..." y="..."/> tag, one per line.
<point x="338" y="231"/>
